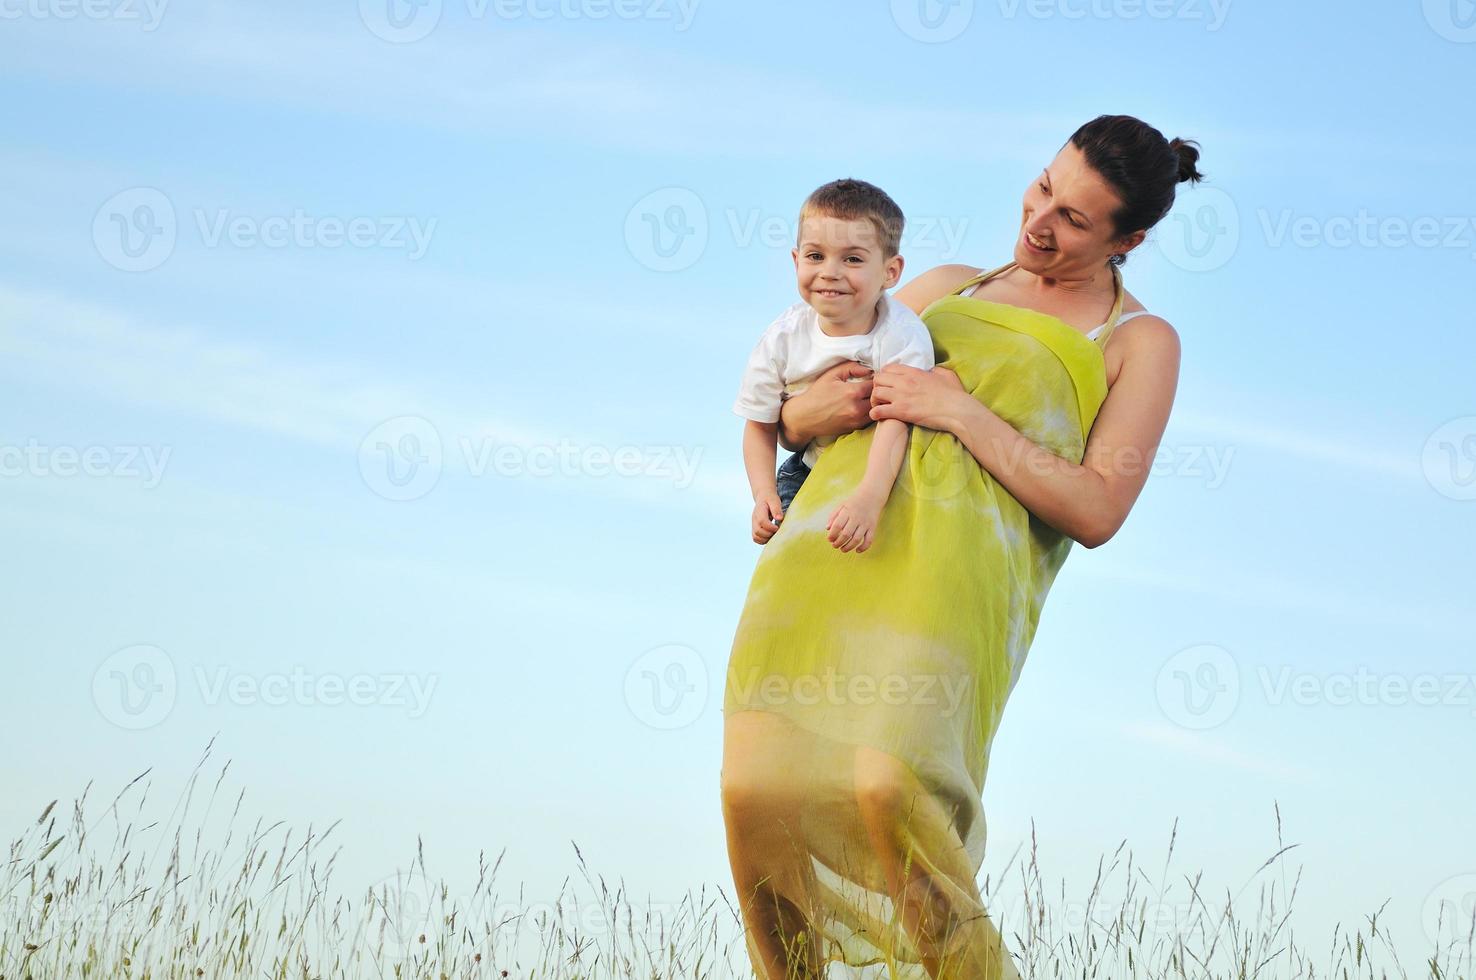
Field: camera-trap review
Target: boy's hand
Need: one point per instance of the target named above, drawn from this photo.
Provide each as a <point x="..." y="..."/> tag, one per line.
<point x="767" y="513"/>
<point x="853" y="525"/>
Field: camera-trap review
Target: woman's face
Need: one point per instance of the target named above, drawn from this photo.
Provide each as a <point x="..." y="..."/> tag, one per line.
<point x="1066" y="220"/>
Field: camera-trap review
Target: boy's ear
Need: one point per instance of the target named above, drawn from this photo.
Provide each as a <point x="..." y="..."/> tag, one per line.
<point x="894" y="270"/>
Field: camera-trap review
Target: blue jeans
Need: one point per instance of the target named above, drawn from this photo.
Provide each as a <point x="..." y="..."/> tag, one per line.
<point x="792" y="473"/>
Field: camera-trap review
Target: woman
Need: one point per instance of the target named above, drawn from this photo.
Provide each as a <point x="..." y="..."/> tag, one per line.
<point x="864" y="688"/>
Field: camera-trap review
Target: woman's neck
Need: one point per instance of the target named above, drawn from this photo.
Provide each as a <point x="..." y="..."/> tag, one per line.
<point x="1081" y="285"/>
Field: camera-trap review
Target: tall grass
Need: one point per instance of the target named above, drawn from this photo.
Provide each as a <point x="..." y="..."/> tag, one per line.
<point x="260" y="905"/>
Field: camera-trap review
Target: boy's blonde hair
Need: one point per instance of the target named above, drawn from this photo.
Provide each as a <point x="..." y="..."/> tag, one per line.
<point x="854" y="200"/>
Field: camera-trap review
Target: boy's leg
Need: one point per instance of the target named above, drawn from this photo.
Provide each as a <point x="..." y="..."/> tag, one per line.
<point x="791" y="476"/>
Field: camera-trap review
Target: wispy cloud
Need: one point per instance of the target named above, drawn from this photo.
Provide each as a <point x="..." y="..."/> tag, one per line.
<point x="658" y="99"/>
<point x="1338" y="449"/>
<point x="1204" y="748"/>
<point x="1267" y="589"/>
<point x="82" y="347"/>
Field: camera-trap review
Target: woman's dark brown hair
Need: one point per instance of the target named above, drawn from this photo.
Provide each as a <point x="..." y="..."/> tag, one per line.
<point x="1140" y="165"/>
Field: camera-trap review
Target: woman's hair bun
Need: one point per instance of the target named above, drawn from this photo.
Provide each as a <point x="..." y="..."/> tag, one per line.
<point x="1188" y="152"/>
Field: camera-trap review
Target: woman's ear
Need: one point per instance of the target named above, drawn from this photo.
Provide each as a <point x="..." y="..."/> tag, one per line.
<point x="1127" y="243"/>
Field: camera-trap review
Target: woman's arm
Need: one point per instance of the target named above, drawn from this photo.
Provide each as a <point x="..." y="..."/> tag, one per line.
<point x="1087" y="502"/>
<point x="826" y="408"/>
<point x="830" y="406"/>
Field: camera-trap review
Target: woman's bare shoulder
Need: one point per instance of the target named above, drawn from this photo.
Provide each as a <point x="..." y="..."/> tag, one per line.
<point x="1148" y="343"/>
<point x="938" y="281"/>
<point x="1147" y="325"/>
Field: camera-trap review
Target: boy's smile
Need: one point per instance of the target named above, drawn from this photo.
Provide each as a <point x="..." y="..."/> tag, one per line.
<point x="841" y="272"/>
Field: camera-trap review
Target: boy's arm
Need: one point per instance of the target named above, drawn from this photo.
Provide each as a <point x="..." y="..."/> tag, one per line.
<point x="909" y="343"/>
<point x="884" y="460"/>
<point x="759" y="455"/>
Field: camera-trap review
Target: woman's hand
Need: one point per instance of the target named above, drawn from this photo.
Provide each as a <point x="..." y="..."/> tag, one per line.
<point x="837" y="402"/>
<point x="933" y="399"/>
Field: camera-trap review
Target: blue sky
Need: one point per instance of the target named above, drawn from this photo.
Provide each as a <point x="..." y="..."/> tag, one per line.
<point x="250" y="249"/>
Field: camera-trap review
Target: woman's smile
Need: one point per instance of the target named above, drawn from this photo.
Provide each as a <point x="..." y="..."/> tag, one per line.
<point x="1035" y="244"/>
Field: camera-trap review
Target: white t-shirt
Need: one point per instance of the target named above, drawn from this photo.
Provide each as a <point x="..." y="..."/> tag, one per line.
<point x="793" y="351"/>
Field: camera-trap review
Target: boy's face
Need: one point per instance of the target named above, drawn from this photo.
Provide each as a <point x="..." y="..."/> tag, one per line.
<point x="840" y="266"/>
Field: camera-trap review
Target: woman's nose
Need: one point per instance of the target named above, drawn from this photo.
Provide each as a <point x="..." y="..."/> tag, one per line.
<point x="1039" y="226"/>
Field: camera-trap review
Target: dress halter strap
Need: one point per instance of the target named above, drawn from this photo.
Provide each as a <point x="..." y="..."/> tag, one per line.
<point x="1112" y="318"/>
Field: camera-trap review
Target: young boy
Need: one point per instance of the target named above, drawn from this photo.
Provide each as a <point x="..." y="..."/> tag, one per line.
<point x="845" y="260"/>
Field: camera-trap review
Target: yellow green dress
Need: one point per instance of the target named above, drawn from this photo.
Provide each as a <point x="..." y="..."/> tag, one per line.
<point x="875" y="673"/>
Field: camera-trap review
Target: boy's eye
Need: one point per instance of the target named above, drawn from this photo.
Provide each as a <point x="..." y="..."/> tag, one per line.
<point x="1043" y="188"/>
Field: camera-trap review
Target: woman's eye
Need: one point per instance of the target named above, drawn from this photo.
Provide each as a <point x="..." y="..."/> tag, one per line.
<point x="1074" y="222"/>
<point x="1043" y="188"/>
